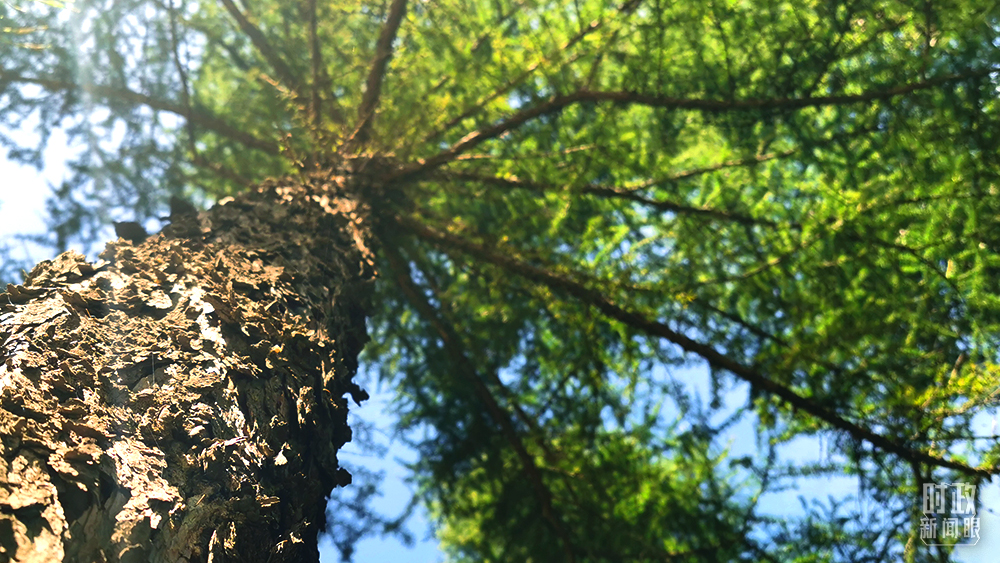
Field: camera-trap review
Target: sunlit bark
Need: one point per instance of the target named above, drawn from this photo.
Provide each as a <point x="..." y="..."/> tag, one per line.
<point x="183" y="399"/>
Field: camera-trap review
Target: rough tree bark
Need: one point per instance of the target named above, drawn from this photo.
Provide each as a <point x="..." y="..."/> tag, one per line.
<point x="183" y="399"/>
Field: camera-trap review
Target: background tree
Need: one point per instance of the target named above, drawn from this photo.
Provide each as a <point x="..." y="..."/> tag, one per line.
<point x="572" y="200"/>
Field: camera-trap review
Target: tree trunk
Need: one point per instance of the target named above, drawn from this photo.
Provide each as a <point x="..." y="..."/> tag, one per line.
<point x="183" y="399"/>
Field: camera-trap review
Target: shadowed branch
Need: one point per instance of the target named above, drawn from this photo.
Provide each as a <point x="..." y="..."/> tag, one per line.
<point x="452" y="343"/>
<point x="320" y="80"/>
<point x="200" y="118"/>
<point x="708" y="353"/>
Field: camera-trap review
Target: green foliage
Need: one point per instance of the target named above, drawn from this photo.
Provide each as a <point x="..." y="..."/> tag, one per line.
<point x="595" y="197"/>
<point x="621" y="501"/>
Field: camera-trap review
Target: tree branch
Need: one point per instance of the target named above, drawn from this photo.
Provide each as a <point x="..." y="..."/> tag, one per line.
<point x="320" y="79"/>
<point x="453" y="346"/>
<point x="617" y="193"/>
<point x="557" y="103"/>
<point x="708" y="353"/>
<point x="317" y="111"/>
<point x="515" y="9"/>
<point x="202" y="119"/>
<point x="283" y="71"/>
<point x="185" y="92"/>
<point x="513" y="82"/>
<point x="220" y="170"/>
<point x="376" y="74"/>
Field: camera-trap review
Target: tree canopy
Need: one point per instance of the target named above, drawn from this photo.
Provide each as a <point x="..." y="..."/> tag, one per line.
<point x="579" y="199"/>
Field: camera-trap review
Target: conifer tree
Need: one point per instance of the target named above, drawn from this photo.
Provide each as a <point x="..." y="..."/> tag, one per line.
<point x="544" y="213"/>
